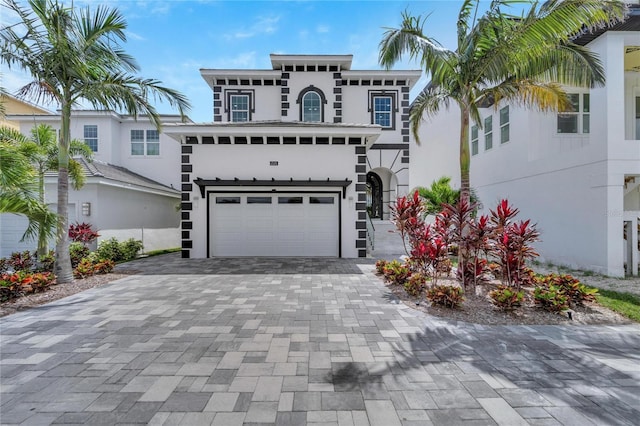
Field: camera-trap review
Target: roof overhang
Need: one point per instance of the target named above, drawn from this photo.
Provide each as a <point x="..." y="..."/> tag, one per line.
<point x="180" y="131"/>
<point x="204" y="183"/>
<point x="342" y="61"/>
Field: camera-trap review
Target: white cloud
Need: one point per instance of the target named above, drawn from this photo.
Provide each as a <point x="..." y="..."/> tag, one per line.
<point x="323" y="29"/>
<point x="262" y="25"/>
<point x="134" y="36"/>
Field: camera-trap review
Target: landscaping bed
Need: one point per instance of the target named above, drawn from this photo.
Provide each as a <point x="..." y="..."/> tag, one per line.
<point x="480" y="309"/>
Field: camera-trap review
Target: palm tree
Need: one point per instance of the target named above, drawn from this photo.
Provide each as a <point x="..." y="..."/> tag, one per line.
<point x="524" y="59"/>
<point x="18" y="192"/>
<point x="73" y="55"/>
<point x="41" y="149"/>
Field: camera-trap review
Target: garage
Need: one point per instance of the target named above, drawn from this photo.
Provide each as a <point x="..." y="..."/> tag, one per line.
<point x="274" y="224"/>
<point x="12" y="227"/>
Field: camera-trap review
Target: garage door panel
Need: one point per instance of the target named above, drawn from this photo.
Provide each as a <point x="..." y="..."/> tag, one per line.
<point x="274" y="225"/>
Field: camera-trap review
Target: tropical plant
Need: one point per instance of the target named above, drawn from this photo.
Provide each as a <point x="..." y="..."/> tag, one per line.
<point x="506" y="298"/>
<point x="445" y="295"/>
<point x="406" y="215"/>
<point x="440" y="192"/>
<point x="501" y="57"/>
<point x="41" y="149"/>
<point x="74" y="54"/>
<point x="82" y="233"/>
<point x="18" y="191"/>
<point x="551" y="298"/>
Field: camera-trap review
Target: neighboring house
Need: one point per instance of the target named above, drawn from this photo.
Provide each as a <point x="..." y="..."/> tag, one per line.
<point x="293" y="158"/>
<point x="13" y="105"/>
<point x="130" y="189"/>
<point x="576" y="173"/>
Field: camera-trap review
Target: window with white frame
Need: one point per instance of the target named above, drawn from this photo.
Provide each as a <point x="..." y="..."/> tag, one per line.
<point x="382" y="108"/>
<point x="137" y="142"/>
<point x="145" y="142"/>
<point x="311" y="107"/>
<point x="575" y="119"/>
<point x="504" y="124"/>
<point x="488" y="133"/>
<point x="153" y="142"/>
<point x="239" y="108"/>
<point x="474" y="140"/>
<point x="91" y="136"/>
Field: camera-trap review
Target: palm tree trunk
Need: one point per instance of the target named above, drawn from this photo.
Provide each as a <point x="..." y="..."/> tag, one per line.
<point x="64" y="271"/>
<point x="465" y="158"/>
<point x="465" y="192"/>
<point x="42" y="234"/>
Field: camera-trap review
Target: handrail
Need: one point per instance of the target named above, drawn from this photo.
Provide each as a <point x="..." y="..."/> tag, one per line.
<point x="371" y="230"/>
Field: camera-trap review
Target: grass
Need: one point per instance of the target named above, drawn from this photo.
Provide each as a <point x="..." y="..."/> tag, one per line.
<point x="164" y="251"/>
<point x="626" y="304"/>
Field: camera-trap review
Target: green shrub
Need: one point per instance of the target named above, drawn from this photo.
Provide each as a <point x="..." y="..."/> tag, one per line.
<point x="396" y="273"/>
<point x="551" y="298"/>
<point x="77" y="252"/>
<point x="88" y="267"/>
<point x="130" y="248"/>
<point x="506" y="298"/>
<point x="109" y="249"/>
<point x="47" y="262"/>
<point x="380" y="265"/>
<point x="415" y="284"/>
<point x="20" y="283"/>
<point x="116" y="251"/>
<point x="576" y="292"/>
<point x="445" y="295"/>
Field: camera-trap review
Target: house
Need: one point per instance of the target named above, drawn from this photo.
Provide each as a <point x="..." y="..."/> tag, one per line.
<point x="294" y="158"/>
<point x="13" y="105"/>
<point x="131" y="186"/>
<point x="575" y="173"/>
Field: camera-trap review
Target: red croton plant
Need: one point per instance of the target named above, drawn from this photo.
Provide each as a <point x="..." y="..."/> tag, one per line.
<point x="495" y="240"/>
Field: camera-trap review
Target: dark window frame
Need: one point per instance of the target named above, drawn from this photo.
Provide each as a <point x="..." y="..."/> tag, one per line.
<point x="323" y="102"/>
<point x="251" y="103"/>
<point x="393" y="94"/>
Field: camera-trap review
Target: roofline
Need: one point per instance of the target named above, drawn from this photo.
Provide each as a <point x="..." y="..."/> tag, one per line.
<point x="31" y="104"/>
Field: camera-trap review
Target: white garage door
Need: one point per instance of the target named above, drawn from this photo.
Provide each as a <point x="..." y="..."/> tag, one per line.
<point x="12" y="227"/>
<point x="274" y="225"/>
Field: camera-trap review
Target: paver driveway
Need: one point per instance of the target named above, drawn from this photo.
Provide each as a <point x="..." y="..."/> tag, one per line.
<point x="299" y="341"/>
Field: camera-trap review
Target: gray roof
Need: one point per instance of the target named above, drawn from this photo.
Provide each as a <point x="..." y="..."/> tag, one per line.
<point x="119" y="174"/>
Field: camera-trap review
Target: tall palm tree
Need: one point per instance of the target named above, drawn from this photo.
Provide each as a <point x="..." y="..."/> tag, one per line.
<point x="18" y="191"/>
<point x="72" y="55"/>
<point x="524" y="59"/>
<point x="41" y="149"/>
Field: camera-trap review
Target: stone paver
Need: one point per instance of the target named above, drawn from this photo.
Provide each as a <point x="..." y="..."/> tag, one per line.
<point x="294" y="342"/>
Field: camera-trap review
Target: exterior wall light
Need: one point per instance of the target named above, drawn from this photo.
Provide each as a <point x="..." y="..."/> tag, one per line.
<point x="86" y="209"/>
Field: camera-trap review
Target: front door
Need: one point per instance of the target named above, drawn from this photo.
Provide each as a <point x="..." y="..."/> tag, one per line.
<point x="374" y="195"/>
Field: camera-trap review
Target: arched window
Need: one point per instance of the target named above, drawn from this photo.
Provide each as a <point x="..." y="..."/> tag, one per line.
<point x="311" y="107"/>
<point x="311" y="100"/>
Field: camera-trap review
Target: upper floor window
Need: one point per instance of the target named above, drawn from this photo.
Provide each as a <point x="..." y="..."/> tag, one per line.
<point x="474" y="140"/>
<point x="312" y="101"/>
<point x="239" y="108"/>
<point x="91" y="136"/>
<point x="488" y="133"/>
<point x="145" y="142"/>
<point x="311" y="107"/>
<point x="382" y="107"/>
<point x="576" y="118"/>
<point x="504" y="124"/>
<point x="239" y="105"/>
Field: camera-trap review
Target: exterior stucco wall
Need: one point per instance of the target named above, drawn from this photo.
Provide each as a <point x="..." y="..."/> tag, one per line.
<point x="572" y="185"/>
<point x="300" y="162"/>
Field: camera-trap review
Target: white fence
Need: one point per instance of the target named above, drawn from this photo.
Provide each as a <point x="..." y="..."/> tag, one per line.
<point x="152" y="239"/>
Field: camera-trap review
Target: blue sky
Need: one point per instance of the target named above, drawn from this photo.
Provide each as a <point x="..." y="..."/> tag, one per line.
<point x="172" y="40"/>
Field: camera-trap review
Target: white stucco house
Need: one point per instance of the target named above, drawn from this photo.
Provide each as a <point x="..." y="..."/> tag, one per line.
<point x="294" y="157"/>
<point x="576" y="173"/>
<point x="132" y="186"/>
